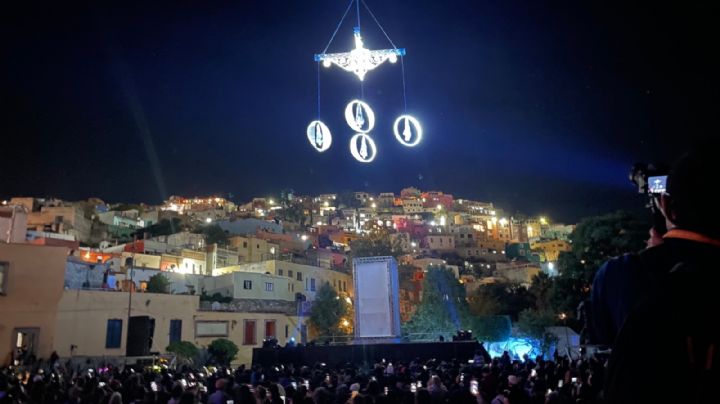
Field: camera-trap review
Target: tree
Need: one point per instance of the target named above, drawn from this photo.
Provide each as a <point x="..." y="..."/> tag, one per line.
<point x="501" y="298"/>
<point x="533" y="323"/>
<point x="540" y="289"/>
<point x="223" y="351"/>
<point x="164" y="227"/>
<point x="443" y="310"/>
<point x="295" y="212"/>
<point x="184" y="350"/>
<point x="594" y="241"/>
<point x="214" y="234"/>
<point x="377" y="244"/>
<point x="491" y="328"/>
<point x="158" y="283"/>
<point x="327" y="311"/>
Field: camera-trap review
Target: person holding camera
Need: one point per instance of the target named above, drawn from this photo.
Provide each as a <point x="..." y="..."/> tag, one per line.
<point x="657" y="309"/>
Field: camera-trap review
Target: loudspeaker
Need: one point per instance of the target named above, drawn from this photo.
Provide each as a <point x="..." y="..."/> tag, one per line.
<point x="140" y="336"/>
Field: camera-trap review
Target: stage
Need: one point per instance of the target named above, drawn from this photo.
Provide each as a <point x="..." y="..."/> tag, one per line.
<point x="360" y="353"/>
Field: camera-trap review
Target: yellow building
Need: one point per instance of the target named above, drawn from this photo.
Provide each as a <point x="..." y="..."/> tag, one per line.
<point x="86" y="321"/>
<point x="32" y="288"/>
<point x="37" y="316"/>
<point x="305" y="279"/>
<point x="551" y="248"/>
<point x="253" y="249"/>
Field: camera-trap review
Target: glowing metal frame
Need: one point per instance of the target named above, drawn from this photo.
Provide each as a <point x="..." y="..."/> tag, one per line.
<point x="404" y="137"/>
<point x="368" y="142"/>
<point x="351" y="116"/>
<point x="325" y="139"/>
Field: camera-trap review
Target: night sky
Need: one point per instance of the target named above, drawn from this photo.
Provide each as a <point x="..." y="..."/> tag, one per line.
<point x="538" y="106"/>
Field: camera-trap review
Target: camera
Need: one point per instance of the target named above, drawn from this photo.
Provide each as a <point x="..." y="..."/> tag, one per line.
<point x="651" y="180"/>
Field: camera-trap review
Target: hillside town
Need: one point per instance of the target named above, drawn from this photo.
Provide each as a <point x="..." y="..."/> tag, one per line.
<point x="248" y="272"/>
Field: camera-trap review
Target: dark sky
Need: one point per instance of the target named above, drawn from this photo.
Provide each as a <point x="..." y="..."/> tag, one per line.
<point x="539" y="106"/>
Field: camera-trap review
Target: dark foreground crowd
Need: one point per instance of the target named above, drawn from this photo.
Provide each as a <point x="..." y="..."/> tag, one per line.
<point x="498" y="381"/>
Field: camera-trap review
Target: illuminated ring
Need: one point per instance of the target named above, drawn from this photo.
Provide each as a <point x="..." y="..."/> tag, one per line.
<point x="415" y="125"/>
<point x="369" y="143"/>
<point x="324" y="131"/>
<point x="350" y="116"/>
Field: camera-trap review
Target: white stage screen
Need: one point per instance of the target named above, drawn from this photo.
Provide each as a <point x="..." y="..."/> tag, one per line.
<point x="377" y="314"/>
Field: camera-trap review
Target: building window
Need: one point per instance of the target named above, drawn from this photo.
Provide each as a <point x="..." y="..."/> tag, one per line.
<point x="286" y="331"/>
<point x="201" y="268"/>
<point x="258" y="246"/>
<point x="4" y="269"/>
<point x="312" y="284"/>
<point x="244" y="244"/>
<point x="334" y="284"/>
<point x="270" y="329"/>
<point x="290" y="273"/>
<point x="269" y="286"/>
<point x="247" y="284"/>
<point x="280" y="272"/>
<point x="175" y="331"/>
<point x="299" y="276"/>
<point x="211" y="329"/>
<point x="249" y="334"/>
<point x="113" y="334"/>
<point x="344" y="286"/>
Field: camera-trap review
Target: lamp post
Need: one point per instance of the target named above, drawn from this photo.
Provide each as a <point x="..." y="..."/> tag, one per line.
<point x="563" y="317"/>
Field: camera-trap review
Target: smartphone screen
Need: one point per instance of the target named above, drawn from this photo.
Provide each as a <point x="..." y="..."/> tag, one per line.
<point x="474" y="388"/>
<point x="413" y="387"/>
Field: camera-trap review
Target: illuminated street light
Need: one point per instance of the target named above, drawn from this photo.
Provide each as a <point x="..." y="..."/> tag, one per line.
<point x="208" y="220"/>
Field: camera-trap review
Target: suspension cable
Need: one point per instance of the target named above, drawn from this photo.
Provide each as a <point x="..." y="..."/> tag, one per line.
<point x="339" y="24"/>
<point x="377" y="22"/>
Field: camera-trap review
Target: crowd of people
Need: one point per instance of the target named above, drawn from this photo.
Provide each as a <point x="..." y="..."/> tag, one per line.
<point x="498" y="381"/>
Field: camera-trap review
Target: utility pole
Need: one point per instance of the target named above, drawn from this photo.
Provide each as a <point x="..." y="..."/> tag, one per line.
<point x="130" y="289"/>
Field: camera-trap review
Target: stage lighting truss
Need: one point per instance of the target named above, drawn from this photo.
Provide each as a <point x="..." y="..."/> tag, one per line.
<point x="358" y="114"/>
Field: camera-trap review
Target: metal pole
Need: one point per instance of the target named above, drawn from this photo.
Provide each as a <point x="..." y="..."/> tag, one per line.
<point x="130" y="288"/>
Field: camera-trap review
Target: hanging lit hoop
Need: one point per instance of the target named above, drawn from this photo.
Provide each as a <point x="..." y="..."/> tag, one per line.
<point x="359" y="116"/>
<point x="363" y="148"/>
<point x="407" y="130"/>
<point x="319" y="136"/>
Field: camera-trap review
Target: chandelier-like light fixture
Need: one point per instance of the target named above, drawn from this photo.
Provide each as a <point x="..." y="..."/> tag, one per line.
<point x="358" y="114"/>
<point x="359" y="60"/>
